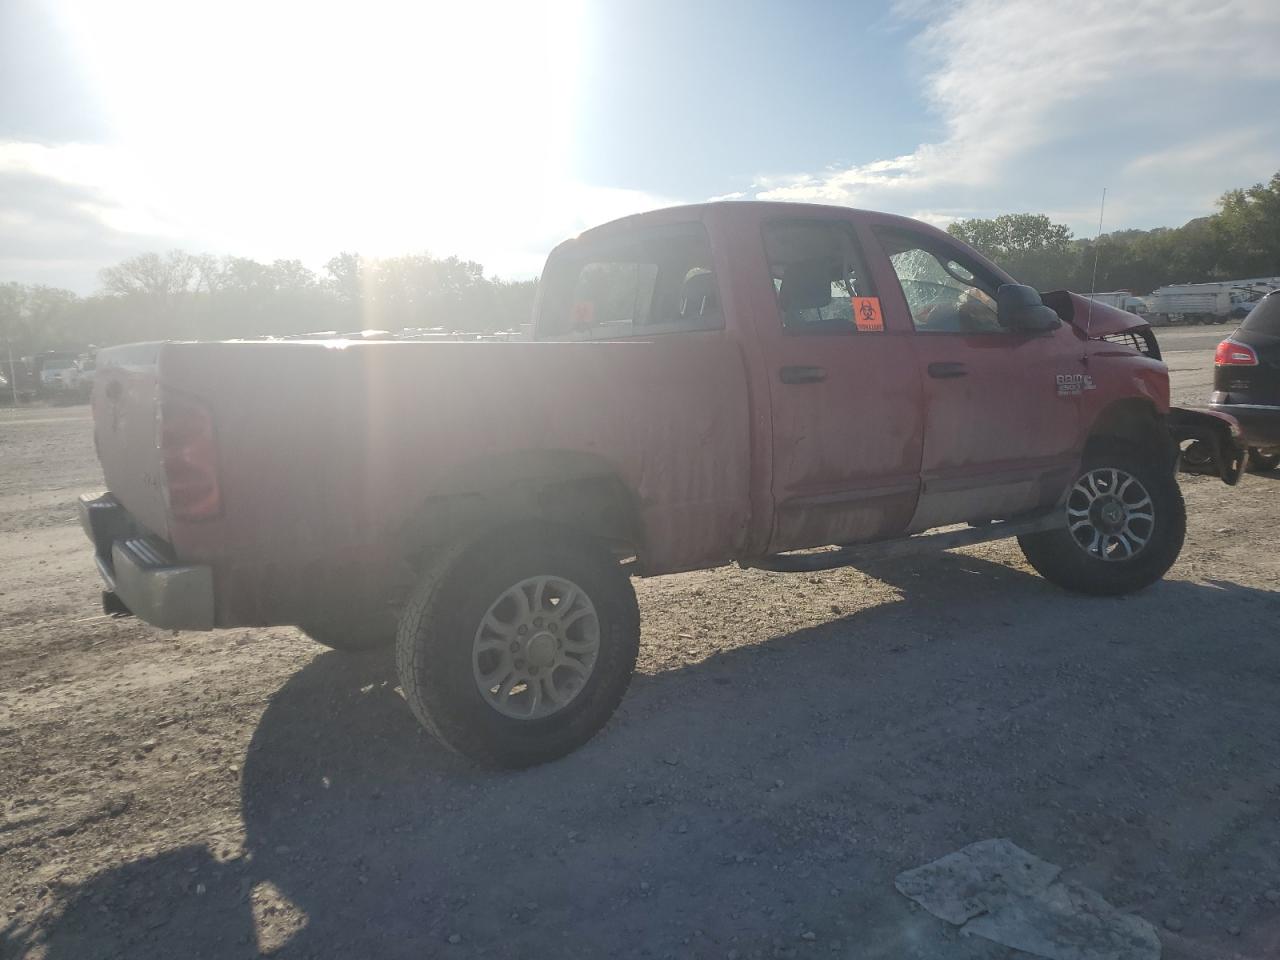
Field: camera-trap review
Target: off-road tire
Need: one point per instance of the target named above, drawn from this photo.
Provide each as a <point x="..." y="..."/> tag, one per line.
<point x="1263" y="462"/>
<point x="1058" y="558"/>
<point x="438" y="627"/>
<point x="354" y="634"/>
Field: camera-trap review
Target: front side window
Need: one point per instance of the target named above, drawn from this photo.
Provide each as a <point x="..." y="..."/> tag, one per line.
<point x="651" y="281"/>
<point x="944" y="293"/>
<point x="819" y="277"/>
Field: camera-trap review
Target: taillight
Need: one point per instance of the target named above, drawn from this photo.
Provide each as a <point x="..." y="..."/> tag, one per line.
<point x="1231" y="354"/>
<point x="189" y="457"/>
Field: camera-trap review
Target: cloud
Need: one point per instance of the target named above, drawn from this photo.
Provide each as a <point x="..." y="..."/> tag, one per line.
<point x="1045" y="102"/>
<point x="68" y="210"/>
<point x="61" y="229"/>
<point x="1042" y="103"/>
<point x="299" y="130"/>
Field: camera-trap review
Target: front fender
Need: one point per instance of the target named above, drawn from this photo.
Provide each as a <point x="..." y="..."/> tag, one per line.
<point x="1217" y="443"/>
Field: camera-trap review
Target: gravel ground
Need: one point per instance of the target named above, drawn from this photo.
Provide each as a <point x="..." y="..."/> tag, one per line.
<point x="790" y="743"/>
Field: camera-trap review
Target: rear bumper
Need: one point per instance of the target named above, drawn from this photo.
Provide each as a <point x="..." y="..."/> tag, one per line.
<point x="140" y="570"/>
<point x="1260" y="423"/>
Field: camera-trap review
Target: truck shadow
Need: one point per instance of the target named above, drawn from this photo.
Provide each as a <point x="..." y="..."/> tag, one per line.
<point x="731" y="796"/>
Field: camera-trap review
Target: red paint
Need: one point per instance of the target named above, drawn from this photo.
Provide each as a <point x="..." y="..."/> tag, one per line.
<point x="327" y="454"/>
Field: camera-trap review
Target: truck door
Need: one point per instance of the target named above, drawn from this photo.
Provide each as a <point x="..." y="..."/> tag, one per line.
<point x="1002" y="408"/>
<point x="844" y="391"/>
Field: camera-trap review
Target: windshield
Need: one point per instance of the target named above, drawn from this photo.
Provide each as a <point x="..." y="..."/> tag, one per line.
<point x="1265" y="317"/>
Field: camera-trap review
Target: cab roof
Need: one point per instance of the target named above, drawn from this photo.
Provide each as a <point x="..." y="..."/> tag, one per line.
<point x="750" y="209"/>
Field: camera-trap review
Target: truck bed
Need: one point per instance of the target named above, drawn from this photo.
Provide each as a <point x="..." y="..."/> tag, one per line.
<point x="334" y="447"/>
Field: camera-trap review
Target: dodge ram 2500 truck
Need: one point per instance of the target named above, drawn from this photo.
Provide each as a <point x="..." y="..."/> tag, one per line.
<point x="790" y="387"/>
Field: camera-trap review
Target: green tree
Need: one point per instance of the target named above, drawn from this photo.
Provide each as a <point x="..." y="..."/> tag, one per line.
<point x="1012" y="235"/>
<point x="344" y="280"/>
<point x="1028" y="245"/>
<point x="149" y="275"/>
<point x="157" y="288"/>
<point x="1247" y="226"/>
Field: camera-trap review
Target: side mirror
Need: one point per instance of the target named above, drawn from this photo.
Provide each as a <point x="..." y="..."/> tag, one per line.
<point x="1019" y="307"/>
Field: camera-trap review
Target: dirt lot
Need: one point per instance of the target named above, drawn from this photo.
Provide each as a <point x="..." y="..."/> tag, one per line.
<point x="788" y="746"/>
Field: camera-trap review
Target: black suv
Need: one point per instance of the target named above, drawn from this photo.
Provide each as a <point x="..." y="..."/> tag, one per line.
<point x="1246" y="381"/>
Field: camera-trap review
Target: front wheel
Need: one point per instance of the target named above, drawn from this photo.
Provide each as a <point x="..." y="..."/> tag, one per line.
<point x="1125" y="523"/>
<point x="519" y="650"/>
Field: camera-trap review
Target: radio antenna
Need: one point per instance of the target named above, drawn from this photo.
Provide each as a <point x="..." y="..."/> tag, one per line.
<point x="1093" y="284"/>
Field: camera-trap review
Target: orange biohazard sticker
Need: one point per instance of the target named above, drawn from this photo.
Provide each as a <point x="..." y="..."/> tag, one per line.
<point x="866" y="314"/>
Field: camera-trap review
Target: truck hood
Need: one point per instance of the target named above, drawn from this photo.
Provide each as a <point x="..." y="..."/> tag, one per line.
<point x="1099" y="318"/>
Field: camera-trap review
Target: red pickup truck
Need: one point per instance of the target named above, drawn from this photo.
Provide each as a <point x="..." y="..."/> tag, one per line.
<point x="785" y="386"/>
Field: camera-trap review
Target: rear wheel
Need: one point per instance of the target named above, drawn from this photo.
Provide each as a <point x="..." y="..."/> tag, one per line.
<point x="1125" y="525"/>
<point x="1260" y="462"/>
<point x="519" y="650"/>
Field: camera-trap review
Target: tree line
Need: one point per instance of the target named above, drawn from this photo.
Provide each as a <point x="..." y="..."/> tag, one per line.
<point x="1240" y="240"/>
<point x="178" y="295"/>
<point x="197" y="296"/>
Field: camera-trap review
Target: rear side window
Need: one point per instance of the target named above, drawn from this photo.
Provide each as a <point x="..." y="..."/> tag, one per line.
<point x="651" y="281"/>
<point x="1265" y="317"/>
<point x="820" y="278"/>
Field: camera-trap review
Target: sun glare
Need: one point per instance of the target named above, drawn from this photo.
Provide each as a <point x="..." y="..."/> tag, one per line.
<point x="378" y="126"/>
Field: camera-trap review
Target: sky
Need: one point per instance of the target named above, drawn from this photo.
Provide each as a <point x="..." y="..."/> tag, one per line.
<point x="492" y="130"/>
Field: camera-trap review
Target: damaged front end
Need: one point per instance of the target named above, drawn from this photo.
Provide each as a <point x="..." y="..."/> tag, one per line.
<point x="1207" y="442"/>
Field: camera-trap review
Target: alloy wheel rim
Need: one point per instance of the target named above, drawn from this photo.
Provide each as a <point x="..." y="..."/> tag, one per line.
<point x="536" y="647"/>
<point x="1110" y="514"/>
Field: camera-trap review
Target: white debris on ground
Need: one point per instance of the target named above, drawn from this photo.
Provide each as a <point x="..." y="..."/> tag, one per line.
<point x="996" y="890"/>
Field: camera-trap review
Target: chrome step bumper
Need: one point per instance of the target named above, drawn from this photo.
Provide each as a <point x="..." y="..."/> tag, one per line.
<point x="141" y="571"/>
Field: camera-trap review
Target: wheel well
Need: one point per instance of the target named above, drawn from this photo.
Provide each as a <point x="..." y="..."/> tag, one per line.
<point x="1133" y="423"/>
<point x="580" y="492"/>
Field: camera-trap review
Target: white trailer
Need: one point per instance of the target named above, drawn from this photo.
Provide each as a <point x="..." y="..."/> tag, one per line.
<point x="1189" y="303"/>
<point x="1206" y="302"/>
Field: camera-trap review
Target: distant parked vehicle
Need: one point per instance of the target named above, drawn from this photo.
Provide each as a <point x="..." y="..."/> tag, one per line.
<point x="1189" y="303"/>
<point x="18" y="382"/>
<point x="1246" y="381"/>
<point x="1219" y="302"/>
<point x="1121" y="300"/>
<point x="62" y="375"/>
<point x="59" y="376"/>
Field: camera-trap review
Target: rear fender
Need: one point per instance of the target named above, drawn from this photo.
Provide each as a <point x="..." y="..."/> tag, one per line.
<point x="568" y="488"/>
<point x="1216" y="443"/>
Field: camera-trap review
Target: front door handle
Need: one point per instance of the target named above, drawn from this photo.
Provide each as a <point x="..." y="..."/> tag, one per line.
<point x="946" y="371"/>
<point x="802" y="374"/>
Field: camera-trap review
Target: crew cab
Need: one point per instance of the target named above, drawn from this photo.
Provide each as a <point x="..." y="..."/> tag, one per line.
<point x="783" y="386"/>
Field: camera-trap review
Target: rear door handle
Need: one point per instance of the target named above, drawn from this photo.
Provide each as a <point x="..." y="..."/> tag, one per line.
<point x="802" y="374"/>
<point x="946" y="371"/>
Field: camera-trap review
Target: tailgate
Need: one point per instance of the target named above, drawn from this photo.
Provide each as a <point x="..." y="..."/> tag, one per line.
<point x="124" y="431"/>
